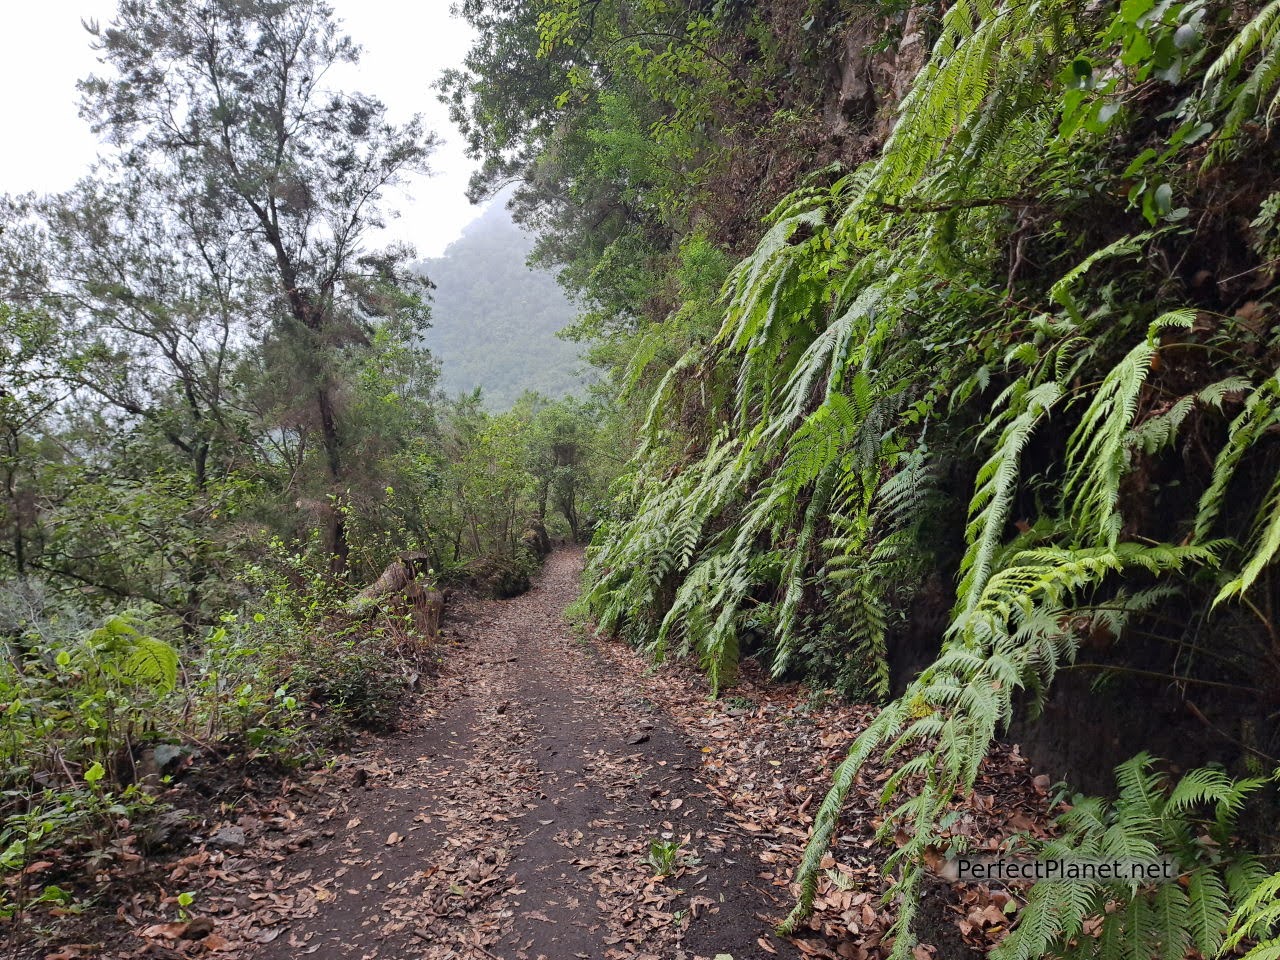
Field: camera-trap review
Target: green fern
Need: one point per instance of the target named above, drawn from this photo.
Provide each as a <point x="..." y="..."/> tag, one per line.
<point x="1257" y="918"/>
<point x="1009" y="640"/>
<point x="1147" y="822"/>
<point x="996" y="484"/>
<point x="130" y="655"/>
<point x="1261" y="412"/>
<point x="1097" y="454"/>
<point x="152" y="662"/>
<point x="1263" y="546"/>
<point x="882" y="304"/>
<point x="1243" y="100"/>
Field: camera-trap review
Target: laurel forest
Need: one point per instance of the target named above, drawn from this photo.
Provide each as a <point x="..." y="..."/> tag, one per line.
<point x="936" y="368"/>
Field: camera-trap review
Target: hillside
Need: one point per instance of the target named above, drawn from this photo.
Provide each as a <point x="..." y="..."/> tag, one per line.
<point x="494" y="320"/>
<point x="906" y="588"/>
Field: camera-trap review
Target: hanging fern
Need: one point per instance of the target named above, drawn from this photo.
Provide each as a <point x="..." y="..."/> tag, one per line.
<point x="1258" y="918"/>
<point x="997" y="482"/>
<point x="1011" y="639"/>
<point x="1097" y="454"/>
<point x="890" y="306"/>
<point x="1259" y="40"/>
<point x="1263" y="547"/>
<point x="1189" y="824"/>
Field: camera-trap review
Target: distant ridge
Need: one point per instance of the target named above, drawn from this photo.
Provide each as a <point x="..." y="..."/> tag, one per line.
<point x="494" y="320"/>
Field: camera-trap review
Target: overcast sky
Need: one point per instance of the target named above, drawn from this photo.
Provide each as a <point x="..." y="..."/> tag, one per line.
<point x="47" y="147"/>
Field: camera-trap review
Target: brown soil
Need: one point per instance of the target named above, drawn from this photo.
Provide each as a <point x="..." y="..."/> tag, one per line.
<point x="523" y="811"/>
<point x="519" y="821"/>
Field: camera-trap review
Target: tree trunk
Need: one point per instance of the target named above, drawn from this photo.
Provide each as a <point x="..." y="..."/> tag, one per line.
<point x="400" y="586"/>
<point x="11" y="490"/>
<point x="544" y="493"/>
<point x="339" y="549"/>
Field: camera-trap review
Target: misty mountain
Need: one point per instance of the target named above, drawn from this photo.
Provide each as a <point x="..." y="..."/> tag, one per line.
<point x="494" y="320"/>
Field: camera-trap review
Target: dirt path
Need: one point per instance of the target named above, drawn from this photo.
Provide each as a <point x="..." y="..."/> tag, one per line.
<point x="519" y="821"/>
<point x="515" y="816"/>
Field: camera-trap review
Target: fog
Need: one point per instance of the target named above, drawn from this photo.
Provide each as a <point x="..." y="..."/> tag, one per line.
<point x="44" y="50"/>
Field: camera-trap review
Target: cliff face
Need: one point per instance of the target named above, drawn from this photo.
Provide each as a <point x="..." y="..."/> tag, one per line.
<point x="873" y="73"/>
<point x="1021" y="180"/>
<point x="1124" y="699"/>
<point x="835" y="76"/>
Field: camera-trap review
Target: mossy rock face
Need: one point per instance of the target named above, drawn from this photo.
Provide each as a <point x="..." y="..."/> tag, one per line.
<point x="502" y="577"/>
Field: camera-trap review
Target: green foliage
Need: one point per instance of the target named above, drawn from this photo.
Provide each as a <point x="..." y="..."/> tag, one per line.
<point x="664" y="856"/>
<point x="611" y="120"/>
<point x="888" y="328"/>
<point x="494" y="320"/>
<point x="1254" y="50"/>
<point x="1261" y="412"/>
<point x="217" y="417"/>
<point x="1188" y="824"/>
<point x="1011" y="639"/>
<point x="49" y="818"/>
<point x="1258" y="918"/>
<point x="279" y="183"/>
<point x="81" y="706"/>
<point x="347" y="675"/>
<point x="997" y="480"/>
<point x="76" y="699"/>
<point x="541" y="463"/>
<point x="127" y="655"/>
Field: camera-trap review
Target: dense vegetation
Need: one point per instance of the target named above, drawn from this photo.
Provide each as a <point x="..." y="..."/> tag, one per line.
<point x="494" y="320"/>
<point x="938" y="334"/>
<point x="1008" y="320"/>
<point x="219" y="421"/>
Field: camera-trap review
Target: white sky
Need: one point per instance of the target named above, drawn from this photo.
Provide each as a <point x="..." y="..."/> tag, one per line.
<point x="46" y="146"/>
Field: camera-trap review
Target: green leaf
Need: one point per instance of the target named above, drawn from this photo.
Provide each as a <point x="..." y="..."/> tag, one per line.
<point x="1131" y="10"/>
<point x="1187" y="36"/>
<point x="152" y="661"/>
<point x="1082" y="73"/>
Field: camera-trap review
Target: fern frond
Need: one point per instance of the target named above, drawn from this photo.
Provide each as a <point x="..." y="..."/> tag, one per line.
<point x="1208" y="911"/>
<point x="1097" y="453"/>
<point x="1170" y="916"/>
<point x="882" y="729"/>
<point x="1263" y="547"/>
<point x="1243" y="99"/>
<point x="994" y="491"/>
<point x="151" y="661"/>
<point x="1261" y="412"/>
<point x="1061" y="292"/>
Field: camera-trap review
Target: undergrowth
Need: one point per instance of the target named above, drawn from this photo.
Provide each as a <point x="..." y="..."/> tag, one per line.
<point x="97" y="721"/>
<point x="1037" y="327"/>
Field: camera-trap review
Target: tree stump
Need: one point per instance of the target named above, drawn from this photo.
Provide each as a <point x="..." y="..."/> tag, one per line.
<point x="425" y="605"/>
<point x="401" y="588"/>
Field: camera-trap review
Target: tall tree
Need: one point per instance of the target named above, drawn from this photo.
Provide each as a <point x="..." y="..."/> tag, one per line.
<point x="149" y="306"/>
<point x="224" y="108"/>
<point x="27" y="395"/>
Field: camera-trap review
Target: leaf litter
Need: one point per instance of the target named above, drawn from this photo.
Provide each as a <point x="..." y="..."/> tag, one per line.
<point x="517" y="816"/>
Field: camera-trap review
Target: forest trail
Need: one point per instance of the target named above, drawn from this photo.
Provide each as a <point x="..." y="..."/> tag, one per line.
<point x="517" y="820"/>
<point x="515" y="815"/>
